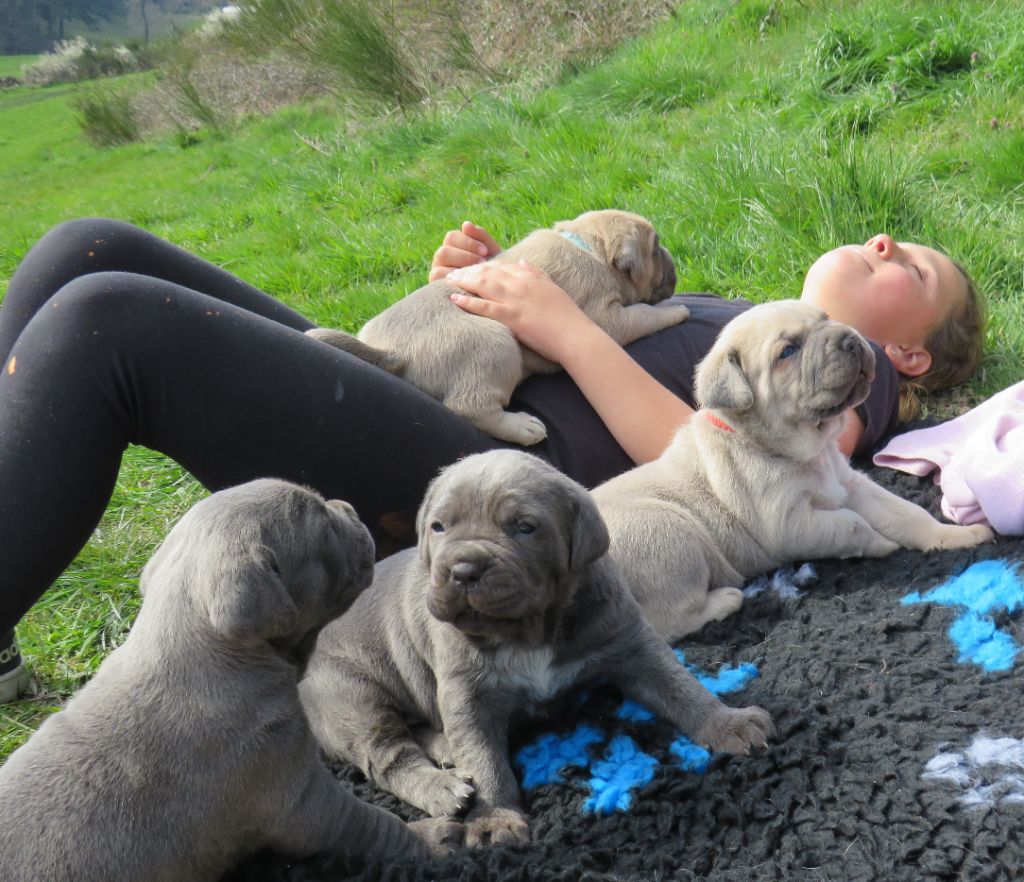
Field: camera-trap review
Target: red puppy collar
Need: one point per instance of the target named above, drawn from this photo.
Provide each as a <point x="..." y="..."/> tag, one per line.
<point x="718" y="423"/>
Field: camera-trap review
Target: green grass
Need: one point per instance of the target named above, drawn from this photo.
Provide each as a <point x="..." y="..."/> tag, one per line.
<point x="755" y="134"/>
<point x="11" y="65"/>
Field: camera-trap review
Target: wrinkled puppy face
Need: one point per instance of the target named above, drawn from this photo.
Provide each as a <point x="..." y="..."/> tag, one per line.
<point x="505" y="538"/>
<point x="630" y="244"/>
<point x="783" y="366"/>
<point x="325" y="555"/>
<point x="269" y="561"/>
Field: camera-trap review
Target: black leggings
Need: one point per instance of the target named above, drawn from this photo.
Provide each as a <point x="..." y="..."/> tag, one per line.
<point x="110" y="336"/>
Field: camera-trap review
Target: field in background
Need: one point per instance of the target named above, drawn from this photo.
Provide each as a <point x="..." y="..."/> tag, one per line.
<point x="10" y="65"/>
<point x="754" y="134"/>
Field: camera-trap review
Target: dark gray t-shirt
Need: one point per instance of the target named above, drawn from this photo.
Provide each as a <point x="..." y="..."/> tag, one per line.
<point x="578" y="442"/>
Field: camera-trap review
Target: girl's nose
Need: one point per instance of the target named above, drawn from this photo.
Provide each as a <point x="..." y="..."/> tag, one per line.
<point x="883" y="245"/>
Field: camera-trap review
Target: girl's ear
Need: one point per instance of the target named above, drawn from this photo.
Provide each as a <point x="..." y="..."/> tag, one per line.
<point x="911" y="361"/>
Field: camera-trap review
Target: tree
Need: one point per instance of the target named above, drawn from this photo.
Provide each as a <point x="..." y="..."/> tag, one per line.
<point x="33" y="25"/>
<point x="19" y="27"/>
<point x="89" y="12"/>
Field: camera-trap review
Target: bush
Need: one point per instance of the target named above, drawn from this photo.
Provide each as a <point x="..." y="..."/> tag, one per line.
<point x="75" y="60"/>
<point x="375" y="52"/>
<point x="106" y="61"/>
<point x="107" y="116"/>
<point x="59" y="66"/>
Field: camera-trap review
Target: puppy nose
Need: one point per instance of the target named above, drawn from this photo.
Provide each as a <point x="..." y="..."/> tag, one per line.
<point x="668" y="277"/>
<point x="466" y="572"/>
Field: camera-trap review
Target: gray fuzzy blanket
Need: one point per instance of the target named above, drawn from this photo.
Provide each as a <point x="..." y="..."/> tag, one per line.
<point x="898" y="755"/>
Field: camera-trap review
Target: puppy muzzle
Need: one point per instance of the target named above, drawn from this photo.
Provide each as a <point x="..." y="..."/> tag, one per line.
<point x="841" y="377"/>
<point x="474" y="590"/>
<point x="667" y="286"/>
<point x="360" y="546"/>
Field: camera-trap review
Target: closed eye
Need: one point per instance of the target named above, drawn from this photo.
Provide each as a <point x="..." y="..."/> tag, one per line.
<point x="920" y="274"/>
<point x="790" y="350"/>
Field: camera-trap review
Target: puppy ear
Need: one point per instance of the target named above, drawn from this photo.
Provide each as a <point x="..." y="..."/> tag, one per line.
<point x="588" y="535"/>
<point x="248" y="600"/>
<point x="421" y="523"/>
<point x="722" y="383"/>
<point x="629" y="255"/>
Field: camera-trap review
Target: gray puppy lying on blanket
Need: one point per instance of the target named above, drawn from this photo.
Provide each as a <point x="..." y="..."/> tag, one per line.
<point x="189" y="748"/>
<point x="609" y="262"/>
<point x="755" y="479"/>
<point x="508" y="601"/>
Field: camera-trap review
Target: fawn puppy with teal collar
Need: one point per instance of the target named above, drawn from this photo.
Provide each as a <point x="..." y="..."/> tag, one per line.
<point x="755" y="480"/>
<point x="610" y="262"/>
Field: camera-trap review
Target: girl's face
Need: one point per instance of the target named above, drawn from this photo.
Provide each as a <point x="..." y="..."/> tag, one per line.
<point x="894" y="293"/>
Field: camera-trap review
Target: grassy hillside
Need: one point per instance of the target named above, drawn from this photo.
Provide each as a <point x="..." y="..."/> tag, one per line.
<point x="754" y="134"/>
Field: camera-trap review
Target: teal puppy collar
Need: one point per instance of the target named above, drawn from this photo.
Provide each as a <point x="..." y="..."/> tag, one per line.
<point x="576" y="240"/>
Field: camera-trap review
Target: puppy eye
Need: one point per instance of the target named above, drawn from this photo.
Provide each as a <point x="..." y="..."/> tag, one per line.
<point x="790" y="350"/>
<point x="525" y="527"/>
<point x="437" y="527"/>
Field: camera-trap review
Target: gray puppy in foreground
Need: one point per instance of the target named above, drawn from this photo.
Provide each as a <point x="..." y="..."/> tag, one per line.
<point x="508" y="601"/>
<point x="189" y="750"/>
<point x="755" y="480"/>
<point x="610" y="262"/>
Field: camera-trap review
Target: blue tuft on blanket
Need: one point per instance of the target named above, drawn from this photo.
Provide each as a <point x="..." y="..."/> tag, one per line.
<point x="624" y="767"/>
<point x="984" y="588"/>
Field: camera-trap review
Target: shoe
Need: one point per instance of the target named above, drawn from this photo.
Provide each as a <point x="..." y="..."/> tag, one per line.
<point x="13" y="676"/>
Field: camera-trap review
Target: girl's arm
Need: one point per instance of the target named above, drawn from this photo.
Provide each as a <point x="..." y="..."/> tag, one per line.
<point x="641" y="414"/>
<point x="850" y="437"/>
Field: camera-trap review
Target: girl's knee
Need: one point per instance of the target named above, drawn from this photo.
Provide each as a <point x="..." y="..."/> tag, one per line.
<point x="76" y="238"/>
<point x="96" y="295"/>
<point x="90" y="320"/>
<point x="115" y="304"/>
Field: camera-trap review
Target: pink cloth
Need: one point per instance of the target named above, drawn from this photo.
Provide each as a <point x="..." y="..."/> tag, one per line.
<point x="980" y="458"/>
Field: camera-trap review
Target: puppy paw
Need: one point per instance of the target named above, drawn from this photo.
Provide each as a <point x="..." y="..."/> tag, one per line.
<point x="448" y="794"/>
<point x="497" y="826"/>
<point x="736" y="730"/>
<point x="440" y="835"/>
<point x="963" y="537"/>
<point x="723" y="602"/>
<point x="520" y="428"/>
<point x="677" y="313"/>
<point x="879" y="546"/>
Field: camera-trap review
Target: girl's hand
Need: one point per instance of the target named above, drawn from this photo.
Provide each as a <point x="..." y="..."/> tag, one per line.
<point x="463" y="247"/>
<point x="539" y="313"/>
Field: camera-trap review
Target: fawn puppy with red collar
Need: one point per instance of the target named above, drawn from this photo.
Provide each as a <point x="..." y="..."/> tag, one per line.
<point x="755" y="479"/>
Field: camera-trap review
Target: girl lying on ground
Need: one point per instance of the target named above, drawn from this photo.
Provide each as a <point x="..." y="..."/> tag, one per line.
<point x="110" y="336"/>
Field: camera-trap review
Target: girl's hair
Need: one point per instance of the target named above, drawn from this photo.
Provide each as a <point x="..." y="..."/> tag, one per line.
<point x="956" y="346"/>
